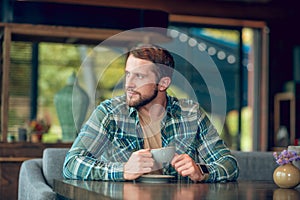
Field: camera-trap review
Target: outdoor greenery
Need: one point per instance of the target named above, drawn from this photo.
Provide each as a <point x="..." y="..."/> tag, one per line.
<point x="59" y="61"/>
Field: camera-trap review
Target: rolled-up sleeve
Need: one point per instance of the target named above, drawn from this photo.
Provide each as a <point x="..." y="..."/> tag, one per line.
<point x="221" y="163"/>
<point x="83" y="161"/>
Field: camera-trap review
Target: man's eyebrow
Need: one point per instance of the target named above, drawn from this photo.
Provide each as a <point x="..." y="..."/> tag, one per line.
<point x="135" y="72"/>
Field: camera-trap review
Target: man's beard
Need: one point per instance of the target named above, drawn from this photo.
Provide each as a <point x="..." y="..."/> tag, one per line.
<point x="142" y="100"/>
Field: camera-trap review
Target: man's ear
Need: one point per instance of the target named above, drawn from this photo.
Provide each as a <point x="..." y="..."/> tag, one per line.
<point x="164" y="83"/>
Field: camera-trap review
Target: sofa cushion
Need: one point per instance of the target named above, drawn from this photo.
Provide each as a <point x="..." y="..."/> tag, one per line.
<point x="32" y="184"/>
<point x="255" y="165"/>
<point x="53" y="159"/>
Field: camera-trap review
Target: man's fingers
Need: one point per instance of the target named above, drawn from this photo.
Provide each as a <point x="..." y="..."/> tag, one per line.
<point x="144" y="153"/>
<point x="179" y="160"/>
<point x="176" y="158"/>
<point x="140" y="162"/>
<point x="184" y="165"/>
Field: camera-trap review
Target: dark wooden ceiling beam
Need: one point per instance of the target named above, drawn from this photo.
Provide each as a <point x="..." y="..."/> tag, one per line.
<point x="238" y="9"/>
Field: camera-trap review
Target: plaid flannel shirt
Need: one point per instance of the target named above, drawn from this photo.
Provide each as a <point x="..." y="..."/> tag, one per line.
<point x="113" y="132"/>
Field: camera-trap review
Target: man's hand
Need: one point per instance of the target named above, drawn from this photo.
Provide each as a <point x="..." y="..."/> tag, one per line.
<point x="140" y="162"/>
<point x="186" y="166"/>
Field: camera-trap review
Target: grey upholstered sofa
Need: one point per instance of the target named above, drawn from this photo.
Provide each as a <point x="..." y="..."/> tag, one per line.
<point x="37" y="175"/>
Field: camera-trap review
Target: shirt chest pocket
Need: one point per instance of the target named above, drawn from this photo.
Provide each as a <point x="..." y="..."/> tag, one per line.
<point x="125" y="145"/>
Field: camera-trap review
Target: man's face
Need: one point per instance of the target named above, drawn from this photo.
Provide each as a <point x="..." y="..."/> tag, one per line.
<point x="140" y="82"/>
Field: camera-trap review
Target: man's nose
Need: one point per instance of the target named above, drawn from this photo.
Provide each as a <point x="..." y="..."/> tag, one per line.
<point x="129" y="83"/>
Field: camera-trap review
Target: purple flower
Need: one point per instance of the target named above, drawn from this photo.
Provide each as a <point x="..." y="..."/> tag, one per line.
<point x="285" y="157"/>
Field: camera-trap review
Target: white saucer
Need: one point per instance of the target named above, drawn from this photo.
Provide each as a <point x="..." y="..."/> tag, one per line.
<point x="155" y="178"/>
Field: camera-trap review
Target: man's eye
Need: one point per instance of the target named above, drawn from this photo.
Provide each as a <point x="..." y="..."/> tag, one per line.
<point x="140" y="76"/>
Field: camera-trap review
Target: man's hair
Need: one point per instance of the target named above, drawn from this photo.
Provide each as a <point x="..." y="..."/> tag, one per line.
<point x="161" y="57"/>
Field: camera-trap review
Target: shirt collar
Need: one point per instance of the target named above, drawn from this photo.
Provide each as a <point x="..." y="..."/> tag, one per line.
<point x="132" y="111"/>
<point x="173" y="108"/>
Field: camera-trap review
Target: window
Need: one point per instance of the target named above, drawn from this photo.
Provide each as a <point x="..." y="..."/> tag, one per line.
<point x="234" y="50"/>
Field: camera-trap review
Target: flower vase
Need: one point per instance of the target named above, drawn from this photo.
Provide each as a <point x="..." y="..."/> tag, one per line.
<point x="36" y="137"/>
<point x="71" y="104"/>
<point x="286" y="176"/>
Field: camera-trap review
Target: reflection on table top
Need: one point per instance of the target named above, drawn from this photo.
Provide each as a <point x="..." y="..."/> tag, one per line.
<point x="76" y="189"/>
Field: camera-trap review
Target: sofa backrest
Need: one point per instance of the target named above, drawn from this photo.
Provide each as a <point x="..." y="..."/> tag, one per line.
<point x="53" y="159"/>
<point x="255" y="165"/>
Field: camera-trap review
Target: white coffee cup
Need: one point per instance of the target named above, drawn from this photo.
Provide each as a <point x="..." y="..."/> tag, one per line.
<point x="163" y="155"/>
